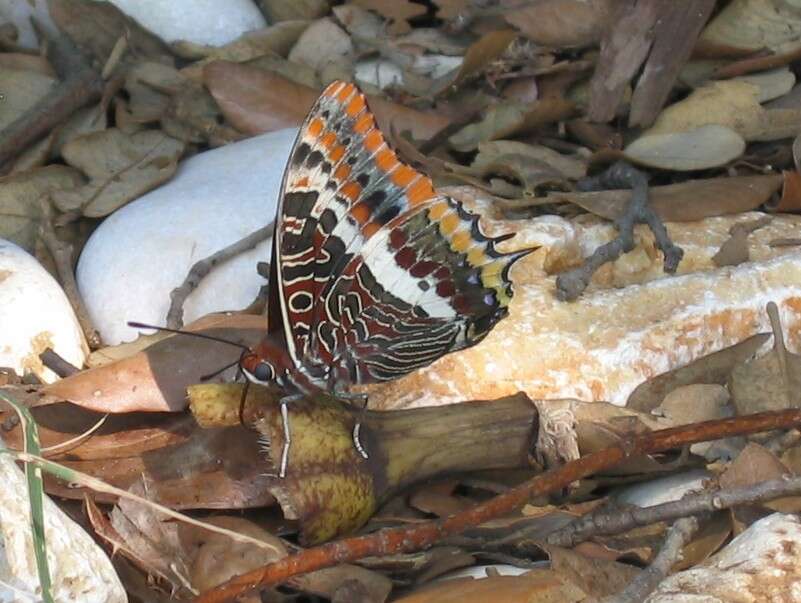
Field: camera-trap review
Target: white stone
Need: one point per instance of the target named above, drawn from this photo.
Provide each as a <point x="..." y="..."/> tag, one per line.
<point x="761" y="564"/>
<point x="20" y="12"/>
<point x="142" y="252"/>
<point x="201" y="21"/>
<point x="79" y="569"/>
<point x="34" y="315"/>
<point x="663" y="489"/>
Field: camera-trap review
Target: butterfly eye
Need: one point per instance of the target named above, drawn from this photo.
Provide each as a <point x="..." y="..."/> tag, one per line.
<point x="264" y="371"/>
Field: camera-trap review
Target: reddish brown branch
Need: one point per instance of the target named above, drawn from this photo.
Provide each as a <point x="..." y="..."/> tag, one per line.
<point x="423" y="535"/>
<point x="750" y="65"/>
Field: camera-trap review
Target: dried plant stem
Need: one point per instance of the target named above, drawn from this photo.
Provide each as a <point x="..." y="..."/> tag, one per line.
<point x="617" y="519"/>
<point x="571" y="284"/>
<point x="679" y="534"/>
<point x="423" y="535"/>
<point x="175" y="315"/>
<point x="63" y="256"/>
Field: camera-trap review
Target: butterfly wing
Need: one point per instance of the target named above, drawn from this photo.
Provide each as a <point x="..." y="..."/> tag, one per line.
<point x="379" y="275"/>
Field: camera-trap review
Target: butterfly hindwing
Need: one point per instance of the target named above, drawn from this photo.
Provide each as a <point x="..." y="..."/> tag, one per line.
<point x="374" y="272"/>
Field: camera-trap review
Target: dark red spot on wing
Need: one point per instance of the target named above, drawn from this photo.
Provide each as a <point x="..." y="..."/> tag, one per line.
<point x="422" y="269"/>
<point x="397" y="238"/>
<point x="406" y="257"/>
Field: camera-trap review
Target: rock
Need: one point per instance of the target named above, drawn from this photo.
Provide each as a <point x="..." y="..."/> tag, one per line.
<point x="35" y="315"/>
<point x="79" y="569"/>
<point x="200" y="21"/>
<point x="143" y="251"/>
<point x="761" y="564"/>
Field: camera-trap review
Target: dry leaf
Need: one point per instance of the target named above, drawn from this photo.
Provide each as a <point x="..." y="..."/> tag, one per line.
<point x="770" y="382"/>
<point x="734" y="250"/>
<point x="156" y="379"/>
<point x="698" y="149"/>
<point x="563" y="23"/>
<point x="323" y="42"/>
<point x="481" y="53"/>
<point x="19" y="200"/>
<point x="121" y="168"/>
<point x="21" y="90"/>
<point x="754" y="25"/>
<point x="790" y="200"/>
<point x="97" y="26"/>
<point x="281" y="10"/>
<point x="255" y="101"/>
<point x="713" y="368"/>
<point x="397" y="12"/>
<point x="686" y="201"/>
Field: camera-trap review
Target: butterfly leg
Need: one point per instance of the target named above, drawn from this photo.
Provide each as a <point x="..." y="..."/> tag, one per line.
<point x="357" y="426"/>
<point x="284" y="404"/>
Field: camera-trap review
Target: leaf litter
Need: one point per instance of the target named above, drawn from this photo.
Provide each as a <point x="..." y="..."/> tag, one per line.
<point x="521" y="100"/>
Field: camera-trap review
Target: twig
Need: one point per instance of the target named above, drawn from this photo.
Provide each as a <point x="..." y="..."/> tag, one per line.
<point x="63" y="257"/>
<point x="57" y="364"/>
<point x="752" y="64"/>
<point x="80" y="84"/>
<point x="570" y="284"/>
<point x="425" y="534"/>
<point x="175" y="315"/>
<point x="617" y="519"/>
<point x="641" y="586"/>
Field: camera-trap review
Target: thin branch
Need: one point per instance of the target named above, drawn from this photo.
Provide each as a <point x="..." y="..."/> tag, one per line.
<point x="175" y="315"/>
<point x="679" y="534"/>
<point x="425" y="534"/>
<point x="617" y="519"/>
<point x="571" y="284"/>
<point x="61" y="367"/>
<point x="63" y="257"/>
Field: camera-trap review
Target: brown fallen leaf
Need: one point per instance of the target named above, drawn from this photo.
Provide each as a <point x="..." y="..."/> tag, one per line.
<point x="156" y="378"/>
<point x="256" y="101"/>
<point x="713" y="368"/>
<point x="479" y="54"/>
<point x="686" y="201"/>
<point x="563" y="23"/>
<point x="121" y="168"/>
<point x="397" y="12"/>
<point x="770" y="382"/>
<point x="734" y="250"/>
<point x="790" y="200"/>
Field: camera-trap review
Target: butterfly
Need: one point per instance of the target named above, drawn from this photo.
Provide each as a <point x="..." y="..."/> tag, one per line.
<point x="373" y="273"/>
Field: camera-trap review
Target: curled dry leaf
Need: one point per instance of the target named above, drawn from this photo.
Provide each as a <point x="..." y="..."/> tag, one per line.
<point x="481" y="53"/>
<point x="255" y="101"/>
<point x="698" y="149"/>
<point x="563" y="23"/>
<point x="686" y="201"/>
<point x="19" y="200"/>
<point x="121" y="168"/>
<point x="156" y="378"/>
<point x="770" y="382"/>
<point x="281" y="10"/>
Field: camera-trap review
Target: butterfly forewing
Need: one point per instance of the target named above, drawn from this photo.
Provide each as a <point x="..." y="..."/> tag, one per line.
<point x="375" y="274"/>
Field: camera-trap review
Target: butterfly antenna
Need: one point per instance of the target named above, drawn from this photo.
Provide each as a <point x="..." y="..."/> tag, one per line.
<point x="141" y="325"/>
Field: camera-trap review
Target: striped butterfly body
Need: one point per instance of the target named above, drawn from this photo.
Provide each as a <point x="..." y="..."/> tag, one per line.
<point x="373" y="273"/>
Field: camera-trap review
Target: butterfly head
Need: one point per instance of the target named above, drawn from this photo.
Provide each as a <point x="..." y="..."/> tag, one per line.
<point x="267" y="363"/>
